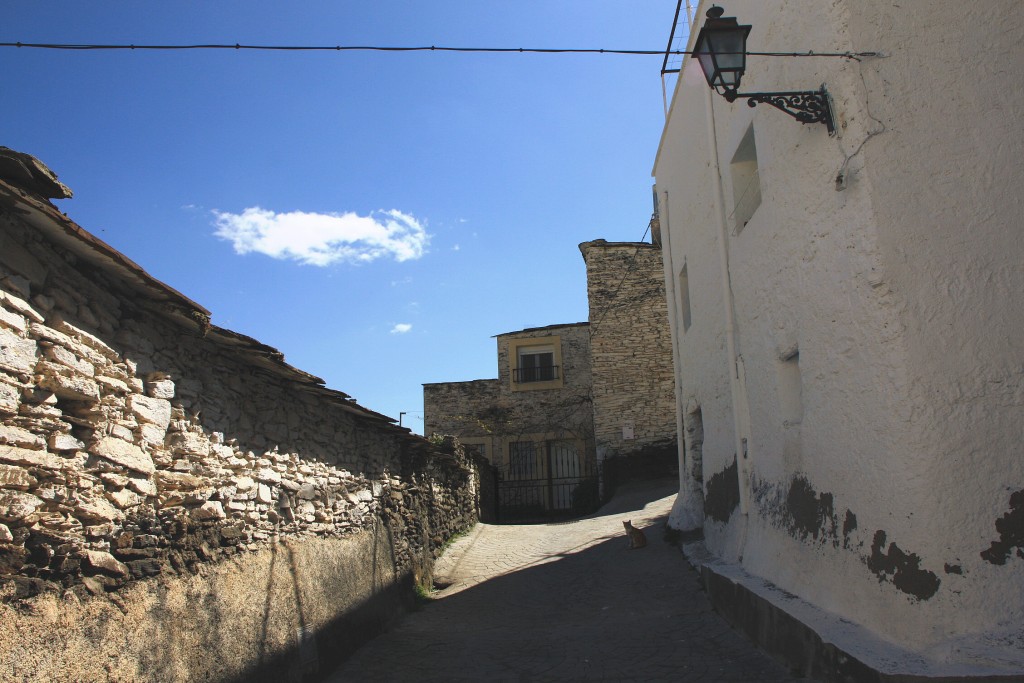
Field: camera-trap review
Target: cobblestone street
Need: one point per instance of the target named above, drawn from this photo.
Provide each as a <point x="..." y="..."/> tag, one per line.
<point x="563" y="602"/>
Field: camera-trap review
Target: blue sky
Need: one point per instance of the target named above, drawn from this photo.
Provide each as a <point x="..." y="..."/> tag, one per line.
<point x="377" y="217"/>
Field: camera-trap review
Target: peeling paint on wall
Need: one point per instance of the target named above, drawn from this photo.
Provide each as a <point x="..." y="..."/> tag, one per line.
<point x="1011" y="532"/>
<point x="849" y="526"/>
<point x="903" y="569"/>
<point x="805" y="512"/>
<point x="810" y="513"/>
<point x="723" y="494"/>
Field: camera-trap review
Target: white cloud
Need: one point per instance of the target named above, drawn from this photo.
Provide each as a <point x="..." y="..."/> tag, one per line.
<point x="401" y="328"/>
<point x="320" y="239"/>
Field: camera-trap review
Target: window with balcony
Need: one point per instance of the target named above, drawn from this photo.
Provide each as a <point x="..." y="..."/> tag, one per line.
<point x="536" y="364"/>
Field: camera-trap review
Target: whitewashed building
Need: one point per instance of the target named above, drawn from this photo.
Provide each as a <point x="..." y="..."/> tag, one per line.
<point x="847" y="318"/>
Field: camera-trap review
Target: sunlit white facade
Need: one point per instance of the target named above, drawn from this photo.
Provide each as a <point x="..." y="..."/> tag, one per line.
<point x="848" y="317"/>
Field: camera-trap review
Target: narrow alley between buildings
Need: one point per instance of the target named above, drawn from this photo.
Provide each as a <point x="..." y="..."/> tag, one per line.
<point x="566" y="602"/>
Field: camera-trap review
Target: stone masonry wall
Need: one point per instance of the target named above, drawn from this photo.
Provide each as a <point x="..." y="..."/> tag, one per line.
<point x="148" y="455"/>
<point x="489" y="410"/>
<point x="465" y="409"/>
<point x="566" y="410"/>
<point x="630" y="349"/>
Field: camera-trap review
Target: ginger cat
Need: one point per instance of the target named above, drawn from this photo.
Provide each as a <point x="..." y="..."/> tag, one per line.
<point x="636" y="537"/>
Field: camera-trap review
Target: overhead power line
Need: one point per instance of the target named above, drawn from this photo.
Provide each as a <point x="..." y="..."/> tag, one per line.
<point x="423" y="48"/>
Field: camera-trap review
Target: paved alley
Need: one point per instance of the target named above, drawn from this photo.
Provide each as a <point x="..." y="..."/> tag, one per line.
<point x="566" y="602"/>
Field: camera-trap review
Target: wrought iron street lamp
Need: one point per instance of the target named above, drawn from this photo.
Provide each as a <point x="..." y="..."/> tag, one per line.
<point x="721" y="51"/>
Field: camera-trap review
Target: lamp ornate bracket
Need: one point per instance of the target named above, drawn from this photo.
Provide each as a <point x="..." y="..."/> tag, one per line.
<point x="806" y="107"/>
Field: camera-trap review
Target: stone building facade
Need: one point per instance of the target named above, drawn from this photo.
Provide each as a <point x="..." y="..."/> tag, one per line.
<point x="536" y="419"/>
<point x="847" y="317"/>
<point x="633" y="389"/>
<point x="610" y="392"/>
<point x="168" y="486"/>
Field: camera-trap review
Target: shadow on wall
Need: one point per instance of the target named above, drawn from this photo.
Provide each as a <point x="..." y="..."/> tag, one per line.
<point x="295" y="620"/>
<point x="316" y="647"/>
<point x="651" y="462"/>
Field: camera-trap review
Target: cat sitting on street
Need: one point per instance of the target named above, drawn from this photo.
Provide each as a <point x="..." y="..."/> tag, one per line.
<point x="636" y="537"/>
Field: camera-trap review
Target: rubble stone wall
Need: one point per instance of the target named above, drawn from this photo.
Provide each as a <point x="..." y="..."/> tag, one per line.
<point x="167" y="480"/>
<point x="461" y="408"/>
<point x="630" y="349"/>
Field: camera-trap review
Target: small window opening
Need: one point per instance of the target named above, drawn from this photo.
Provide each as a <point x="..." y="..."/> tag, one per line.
<point x="684" y="298"/>
<point x="791" y="390"/>
<point x="746" y="181"/>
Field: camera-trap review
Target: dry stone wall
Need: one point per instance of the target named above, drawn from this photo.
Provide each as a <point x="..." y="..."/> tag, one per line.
<point x="140" y="443"/>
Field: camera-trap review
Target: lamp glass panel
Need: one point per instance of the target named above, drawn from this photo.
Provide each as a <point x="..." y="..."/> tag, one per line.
<point x="707" y="65"/>
<point x="729" y="47"/>
<point x="703" y="54"/>
<point x="721" y="51"/>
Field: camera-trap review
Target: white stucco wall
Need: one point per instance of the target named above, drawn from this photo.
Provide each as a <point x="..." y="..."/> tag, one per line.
<point x="901" y="288"/>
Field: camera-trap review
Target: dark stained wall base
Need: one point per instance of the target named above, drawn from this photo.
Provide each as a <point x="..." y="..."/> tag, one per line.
<point x="903" y="569"/>
<point x="1011" y="533"/>
<point x="796" y="643"/>
<point x="722" y="494"/>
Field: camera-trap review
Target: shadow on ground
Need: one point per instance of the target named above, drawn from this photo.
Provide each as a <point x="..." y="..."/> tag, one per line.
<point x="602" y="612"/>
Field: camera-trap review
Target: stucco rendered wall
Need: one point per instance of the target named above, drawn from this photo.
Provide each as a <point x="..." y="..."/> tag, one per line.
<point x="630" y="348"/>
<point x="270" y="615"/>
<point x="176" y="503"/>
<point x="876" y="291"/>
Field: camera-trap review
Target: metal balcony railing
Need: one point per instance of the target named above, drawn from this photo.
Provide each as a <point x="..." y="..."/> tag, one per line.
<point x="544" y="373"/>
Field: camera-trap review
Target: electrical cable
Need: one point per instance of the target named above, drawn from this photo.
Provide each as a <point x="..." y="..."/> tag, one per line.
<point x="423" y="48"/>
